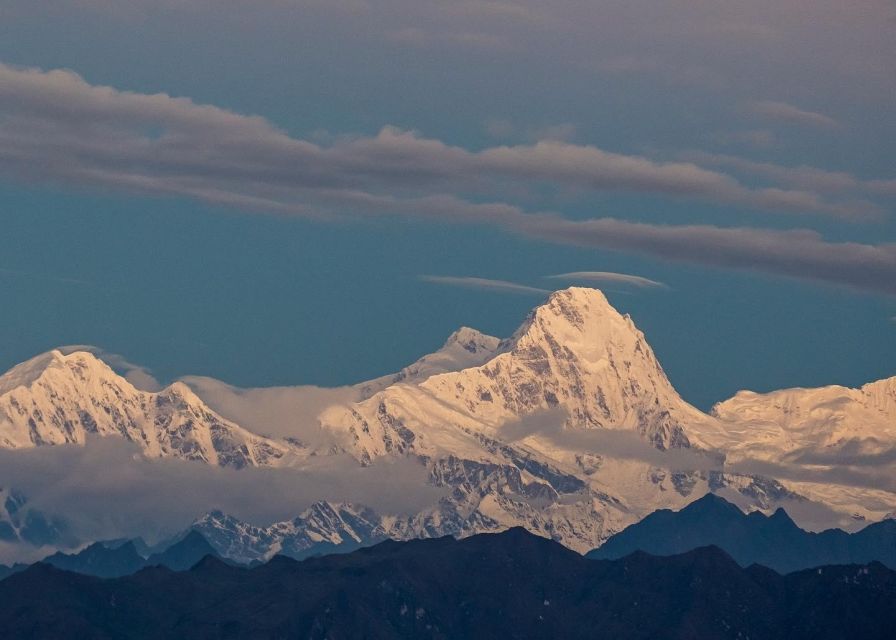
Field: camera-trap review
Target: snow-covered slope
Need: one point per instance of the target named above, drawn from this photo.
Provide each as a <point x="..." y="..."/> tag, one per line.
<point x="464" y="348"/>
<point x="803" y="420"/>
<point x="575" y="353"/>
<point x="57" y="399"/>
<point x="834" y="443"/>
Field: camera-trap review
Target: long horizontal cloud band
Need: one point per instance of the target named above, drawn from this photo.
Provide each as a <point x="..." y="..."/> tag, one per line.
<point x="56" y="126"/>
<point x="54" y="118"/>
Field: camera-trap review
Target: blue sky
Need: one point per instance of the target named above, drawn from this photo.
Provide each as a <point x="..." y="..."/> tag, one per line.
<point x="267" y="220"/>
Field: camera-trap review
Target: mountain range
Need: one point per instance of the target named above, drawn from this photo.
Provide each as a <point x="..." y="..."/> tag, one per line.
<point x="508" y="585"/>
<point x="773" y="541"/>
<point x="117" y="558"/>
<point x="62" y="399"/>
<point x="569" y="427"/>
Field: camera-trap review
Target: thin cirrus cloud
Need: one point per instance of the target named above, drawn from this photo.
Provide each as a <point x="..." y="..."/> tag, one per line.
<point x="57" y="127"/>
<point x="610" y="277"/>
<point x="485" y="284"/>
<point x="783" y="112"/>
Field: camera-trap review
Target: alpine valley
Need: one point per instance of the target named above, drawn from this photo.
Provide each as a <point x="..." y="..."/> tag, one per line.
<point x="569" y="428"/>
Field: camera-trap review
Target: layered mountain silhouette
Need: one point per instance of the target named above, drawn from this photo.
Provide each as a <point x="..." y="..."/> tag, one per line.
<point x="508" y="585"/>
<point x="19" y="522"/>
<point x="773" y="541"/>
<point x="116" y="559"/>
<point x="100" y="560"/>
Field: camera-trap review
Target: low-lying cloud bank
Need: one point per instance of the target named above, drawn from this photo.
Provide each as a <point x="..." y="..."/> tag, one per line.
<point x="277" y="412"/>
<point x="56" y="126"/>
<point x="846" y="466"/>
<point x="106" y="489"/>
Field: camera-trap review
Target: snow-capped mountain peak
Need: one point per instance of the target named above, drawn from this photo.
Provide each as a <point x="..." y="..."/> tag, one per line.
<point x="52" y="365"/>
<point x="471" y="341"/>
<point x="464" y="348"/>
<point x="27" y="372"/>
<point x="577" y="332"/>
<point x="58" y="398"/>
<point x="577" y="352"/>
<point x="574" y="352"/>
<point x="881" y="395"/>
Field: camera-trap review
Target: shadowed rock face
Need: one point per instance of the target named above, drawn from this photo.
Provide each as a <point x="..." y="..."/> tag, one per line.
<point x="20" y="523"/>
<point x="509" y="585"/>
<point x="772" y="541"/>
<point x="322" y="528"/>
<point x="100" y="560"/>
<point x="113" y="560"/>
